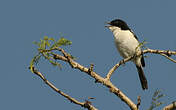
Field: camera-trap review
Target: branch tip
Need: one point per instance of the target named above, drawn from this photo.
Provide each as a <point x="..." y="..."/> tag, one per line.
<point x="138" y="101"/>
<point x="91" y="68"/>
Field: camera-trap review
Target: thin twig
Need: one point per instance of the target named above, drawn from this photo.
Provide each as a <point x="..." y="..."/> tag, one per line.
<point x="169" y="58"/>
<point x="139" y="101"/>
<point x="116" y="66"/>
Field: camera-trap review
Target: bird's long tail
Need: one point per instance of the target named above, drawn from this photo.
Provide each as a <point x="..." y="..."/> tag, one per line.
<point x="142" y="77"/>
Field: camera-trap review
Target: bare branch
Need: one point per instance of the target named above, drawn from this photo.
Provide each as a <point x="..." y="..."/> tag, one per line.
<point x="99" y="79"/>
<point x="57" y="56"/>
<point x="171" y="106"/>
<point x="82" y="104"/>
<point x="105" y="81"/>
<point x="116" y="66"/>
<point x="165" y="53"/>
<point x="168" y="57"/>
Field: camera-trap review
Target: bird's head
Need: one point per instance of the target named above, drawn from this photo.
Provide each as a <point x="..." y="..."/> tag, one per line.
<point x="117" y="23"/>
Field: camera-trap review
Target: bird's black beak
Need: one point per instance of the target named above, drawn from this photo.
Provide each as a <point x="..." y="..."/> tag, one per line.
<point x="107" y="26"/>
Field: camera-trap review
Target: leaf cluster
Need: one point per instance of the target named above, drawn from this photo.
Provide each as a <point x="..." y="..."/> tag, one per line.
<point x="46" y="46"/>
<point x="156" y="102"/>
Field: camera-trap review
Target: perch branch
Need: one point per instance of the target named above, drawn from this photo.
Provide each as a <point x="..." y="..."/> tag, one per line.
<point x="165" y="53"/>
<point x="82" y="104"/>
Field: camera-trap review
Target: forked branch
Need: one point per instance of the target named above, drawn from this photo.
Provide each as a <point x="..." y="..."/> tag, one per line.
<point x="105" y="81"/>
<point x="165" y="53"/>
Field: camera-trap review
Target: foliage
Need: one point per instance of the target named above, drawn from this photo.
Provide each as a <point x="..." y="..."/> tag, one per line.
<point x="46" y="46"/>
<point x="141" y="44"/>
<point x="156" y="102"/>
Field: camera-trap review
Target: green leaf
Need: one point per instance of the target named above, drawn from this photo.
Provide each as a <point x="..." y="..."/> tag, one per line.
<point x="36" y="43"/>
<point x="31" y="65"/>
<point x="53" y="46"/>
<point x="52" y="39"/>
<point x="55" y="64"/>
<point x="34" y="61"/>
<point x="45" y="47"/>
<point x="43" y="44"/>
<point x="141" y="44"/>
<point x="63" y="42"/>
<point x="158" y="104"/>
<point x="47" y="54"/>
<point x="45" y="38"/>
<point x="155" y="99"/>
<point x="48" y="43"/>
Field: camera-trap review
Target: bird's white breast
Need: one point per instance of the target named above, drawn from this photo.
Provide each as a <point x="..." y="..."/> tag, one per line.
<point x="125" y="42"/>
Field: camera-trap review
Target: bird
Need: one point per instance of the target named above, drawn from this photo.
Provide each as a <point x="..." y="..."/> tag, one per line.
<point x="127" y="45"/>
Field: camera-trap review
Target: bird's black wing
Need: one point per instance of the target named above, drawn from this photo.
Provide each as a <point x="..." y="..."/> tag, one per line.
<point x="142" y="59"/>
<point x="134" y="34"/>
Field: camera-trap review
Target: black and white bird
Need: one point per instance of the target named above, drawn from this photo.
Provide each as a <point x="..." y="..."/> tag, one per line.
<point x="127" y="44"/>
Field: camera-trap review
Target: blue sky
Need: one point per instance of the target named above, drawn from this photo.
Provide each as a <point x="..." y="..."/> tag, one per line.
<point x="82" y="22"/>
